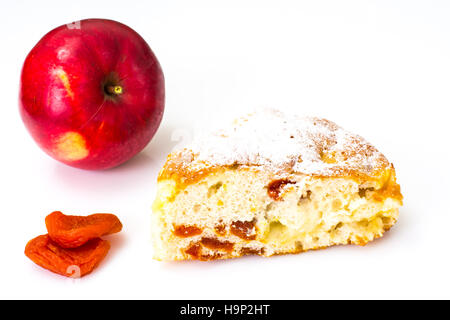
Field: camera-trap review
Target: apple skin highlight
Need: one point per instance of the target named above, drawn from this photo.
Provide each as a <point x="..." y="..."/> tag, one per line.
<point x="92" y="94"/>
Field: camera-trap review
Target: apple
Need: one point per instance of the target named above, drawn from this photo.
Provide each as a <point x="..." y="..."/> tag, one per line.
<point x="92" y="93"/>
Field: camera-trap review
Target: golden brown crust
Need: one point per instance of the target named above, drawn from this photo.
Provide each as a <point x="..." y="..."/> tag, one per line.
<point x="310" y="146"/>
<point x="178" y="168"/>
<point x="179" y="171"/>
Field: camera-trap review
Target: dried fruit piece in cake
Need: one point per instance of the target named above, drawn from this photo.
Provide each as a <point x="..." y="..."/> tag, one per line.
<point x="272" y="184"/>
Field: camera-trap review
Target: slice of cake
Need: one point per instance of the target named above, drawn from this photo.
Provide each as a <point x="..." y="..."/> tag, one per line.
<point x="272" y="184"/>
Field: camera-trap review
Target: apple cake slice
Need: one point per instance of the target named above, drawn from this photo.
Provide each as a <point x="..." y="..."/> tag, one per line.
<point x="272" y="184"/>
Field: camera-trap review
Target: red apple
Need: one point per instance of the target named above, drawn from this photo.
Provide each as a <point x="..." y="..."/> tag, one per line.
<point x="92" y="93"/>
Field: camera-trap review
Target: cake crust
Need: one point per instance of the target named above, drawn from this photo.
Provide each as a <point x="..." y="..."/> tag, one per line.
<point x="283" y="144"/>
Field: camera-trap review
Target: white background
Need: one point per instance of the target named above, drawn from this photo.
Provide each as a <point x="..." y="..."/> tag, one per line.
<point x="378" y="68"/>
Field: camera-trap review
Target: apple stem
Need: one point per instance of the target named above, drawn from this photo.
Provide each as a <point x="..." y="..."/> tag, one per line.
<point x="114" y="90"/>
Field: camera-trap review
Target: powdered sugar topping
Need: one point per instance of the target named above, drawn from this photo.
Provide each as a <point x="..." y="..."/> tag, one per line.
<point x="285" y="143"/>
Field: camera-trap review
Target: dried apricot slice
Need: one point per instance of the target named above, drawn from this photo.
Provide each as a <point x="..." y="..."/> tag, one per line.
<point x="244" y="229"/>
<point x="183" y="231"/>
<point x="276" y="186"/>
<point x="67" y="262"/>
<point x="74" y="231"/>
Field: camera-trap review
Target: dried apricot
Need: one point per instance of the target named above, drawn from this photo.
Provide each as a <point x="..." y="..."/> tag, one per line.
<point x="216" y="244"/>
<point x="244" y="229"/>
<point x="275" y="187"/>
<point x="67" y="262"/>
<point x="186" y="231"/>
<point x="74" y="231"/>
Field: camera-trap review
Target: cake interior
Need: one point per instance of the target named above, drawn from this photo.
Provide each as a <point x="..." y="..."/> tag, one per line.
<point x="237" y="211"/>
